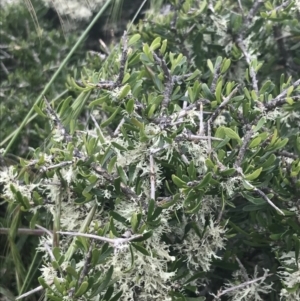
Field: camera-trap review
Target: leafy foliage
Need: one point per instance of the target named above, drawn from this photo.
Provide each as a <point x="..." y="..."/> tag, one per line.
<point x="30" y="56"/>
<point x="173" y="174"/>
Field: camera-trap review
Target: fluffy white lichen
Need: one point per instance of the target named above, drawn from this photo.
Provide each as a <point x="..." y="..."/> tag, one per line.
<point x="148" y="276"/>
<point x="254" y="291"/>
<point x="231" y="185"/>
<point x="199" y="252"/>
<point x="289" y="274"/>
<point x="9" y="177"/>
<point x="75" y="10"/>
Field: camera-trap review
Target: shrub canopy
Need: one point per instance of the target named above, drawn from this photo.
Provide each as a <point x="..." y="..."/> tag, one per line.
<point x="173" y="174"/>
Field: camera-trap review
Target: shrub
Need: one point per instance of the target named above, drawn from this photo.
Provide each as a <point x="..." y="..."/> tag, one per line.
<point x="174" y="173"/>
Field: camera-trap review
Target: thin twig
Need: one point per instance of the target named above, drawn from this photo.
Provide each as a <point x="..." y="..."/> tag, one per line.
<point x="84" y="271"/>
<point x="244" y="272"/>
<point x="234" y="288"/>
<point x="279" y="99"/>
<point x="115" y="242"/>
<point x="33" y="291"/>
<point x="225" y="101"/>
<point x="152" y="178"/>
<point x="168" y="78"/>
<point x="123" y="59"/>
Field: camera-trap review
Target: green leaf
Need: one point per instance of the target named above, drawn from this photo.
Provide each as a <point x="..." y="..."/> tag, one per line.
<point x="140" y="249"/>
<point x="207" y="93"/>
<point x="170" y="203"/>
<point x="151" y="207"/>
<point x="124" y="92"/>
<point x="192" y="171"/>
<point x="163" y="47"/>
<point x="72" y="272"/>
<point x="209" y="163"/>
<point x="112" y="227"/>
<point x="39" y="111"/>
<point x="151" y="110"/>
<point x="194" y="75"/>
<point x="247" y="185"/>
<point x="134" y="221"/>
<point x="112" y="164"/>
<point x="130" y="106"/>
<point x="255" y="142"/>
<point x="232" y="134"/>
<point x="118" y="217"/>
<point x="269" y="162"/>
<point x="58" y="285"/>
<point x="254" y="175"/>
<point x="117" y="296"/>
<point x="155" y="44"/>
<point x="178" y="182"/>
<point x="196" y="208"/>
<point x="106" y="280"/>
<point x="134" y="39"/>
<point x="260" y="124"/>
<point x="111" y="118"/>
<point x="218" y="91"/>
<point x="205" y="182"/>
<point x="210" y="66"/>
<point x="122" y="175"/>
<point x="145" y="236"/>
<point x="225" y="66"/>
<point x="98" y="101"/>
<point x="118" y="146"/>
<point x="265" y="87"/>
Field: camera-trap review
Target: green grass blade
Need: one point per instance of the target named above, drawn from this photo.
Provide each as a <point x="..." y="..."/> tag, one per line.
<point x="82" y="37"/>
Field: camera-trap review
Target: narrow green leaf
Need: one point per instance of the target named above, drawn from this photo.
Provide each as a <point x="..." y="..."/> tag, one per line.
<point x="232" y="134"/>
<point x="210" y="66"/>
<point x="178" y="182"/>
<point x="218" y="91"/>
<point x="145" y="236"/>
<point x="255" y="142"/>
<point x="260" y="124"/>
<point x="140" y="249"/>
<point x="226" y="65"/>
<point x="39" y="111"/>
<point x="111" y="164"/>
<point x="254" y="175"/>
<point x="124" y="92"/>
<point x="117" y="296"/>
<point x="134" y="39"/>
<point x="207" y="93"/>
<point x="111" y="118"/>
<point x="130" y="106"/>
<point x="134" y="222"/>
<point x="205" y="182"/>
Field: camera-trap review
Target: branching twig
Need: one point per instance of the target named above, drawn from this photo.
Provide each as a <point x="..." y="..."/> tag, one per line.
<point x="110" y="85"/>
<point x="168" y="77"/>
<point x="243" y="148"/>
<point x="191" y="137"/>
<point x="115" y="242"/>
<point x="260" y="192"/>
<point x="244" y="272"/>
<point x="225" y="101"/>
<point x="123" y="60"/>
<point x="215" y="78"/>
<point x="234" y="288"/>
<point x="252" y="72"/>
<point x="57" y="123"/>
<point x="33" y="291"/>
<point x="152" y="178"/>
<point x="85" y="269"/>
<point x="280" y="99"/>
<point x="125" y="189"/>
